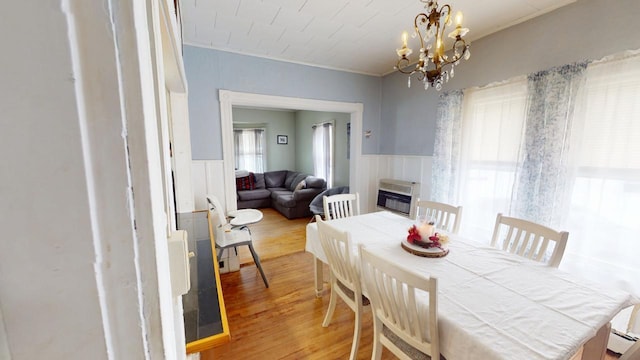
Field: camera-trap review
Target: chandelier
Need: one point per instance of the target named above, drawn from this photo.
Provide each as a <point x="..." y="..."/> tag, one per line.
<point x="429" y="27"/>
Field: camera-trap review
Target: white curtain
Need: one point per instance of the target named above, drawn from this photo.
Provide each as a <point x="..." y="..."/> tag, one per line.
<point x="603" y="215"/>
<point x="323" y="152"/>
<point x="491" y="133"/>
<point x="249" y="149"/>
<point x="562" y="148"/>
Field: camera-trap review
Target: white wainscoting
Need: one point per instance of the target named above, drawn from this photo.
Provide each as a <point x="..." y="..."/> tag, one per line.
<point x="207" y="177"/>
<point x="398" y="167"/>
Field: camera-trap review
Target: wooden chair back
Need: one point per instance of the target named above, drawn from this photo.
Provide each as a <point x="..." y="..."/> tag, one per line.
<point x="341" y="205"/>
<point x="392" y="291"/>
<point x="336" y="245"/>
<point x="447" y="217"/>
<point x="529" y="239"/>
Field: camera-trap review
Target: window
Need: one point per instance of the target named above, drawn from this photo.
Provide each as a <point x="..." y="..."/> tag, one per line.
<point x="604" y="211"/>
<point x="491" y="133"/>
<point x="249" y="149"/>
<point x="323" y="152"/>
<point x="560" y="148"/>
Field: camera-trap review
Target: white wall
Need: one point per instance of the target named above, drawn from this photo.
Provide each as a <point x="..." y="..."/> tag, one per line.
<point x="83" y="262"/>
<point x="376" y="167"/>
<point x="207" y="179"/>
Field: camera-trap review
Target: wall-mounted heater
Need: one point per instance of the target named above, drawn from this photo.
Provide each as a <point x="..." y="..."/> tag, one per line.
<point x="398" y="196"/>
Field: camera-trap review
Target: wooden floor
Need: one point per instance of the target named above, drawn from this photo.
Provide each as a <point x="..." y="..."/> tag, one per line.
<point x="284" y="321"/>
<point x="275" y="236"/>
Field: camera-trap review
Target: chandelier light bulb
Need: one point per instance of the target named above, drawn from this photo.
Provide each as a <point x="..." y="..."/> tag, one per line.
<point x="404" y="39"/>
<point x="459" y="18"/>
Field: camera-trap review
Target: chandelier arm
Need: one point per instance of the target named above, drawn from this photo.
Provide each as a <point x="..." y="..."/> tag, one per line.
<point x="400" y="67"/>
<point x="459" y="40"/>
<point x="444" y="23"/>
<point x="423" y="19"/>
<point x="441" y="12"/>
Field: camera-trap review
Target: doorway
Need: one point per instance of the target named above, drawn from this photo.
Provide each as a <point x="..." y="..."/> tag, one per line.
<point x="278" y="139"/>
<point x="228" y="99"/>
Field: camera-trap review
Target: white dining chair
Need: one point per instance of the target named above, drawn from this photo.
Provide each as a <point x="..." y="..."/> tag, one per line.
<point x="447" y="217"/>
<point x="633" y="353"/>
<point x="529" y="239"/>
<point x="345" y="281"/>
<point x="341" y="205"/>
<point x="408" y="330"/>
<point x="227" y="236"/>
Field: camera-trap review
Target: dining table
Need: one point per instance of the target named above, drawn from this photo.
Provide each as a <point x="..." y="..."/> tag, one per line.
<point x="492" y="304"/>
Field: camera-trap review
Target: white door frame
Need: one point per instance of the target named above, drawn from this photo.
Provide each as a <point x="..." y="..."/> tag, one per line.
<point x="228" y="99"/>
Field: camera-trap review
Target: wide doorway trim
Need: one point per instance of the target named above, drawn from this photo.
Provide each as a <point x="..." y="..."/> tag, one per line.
<point x="228" y="99"/>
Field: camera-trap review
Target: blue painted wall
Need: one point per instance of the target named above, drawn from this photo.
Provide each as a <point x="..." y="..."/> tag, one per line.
<point x="403" y="120"/>
<point x="210" y="70"/>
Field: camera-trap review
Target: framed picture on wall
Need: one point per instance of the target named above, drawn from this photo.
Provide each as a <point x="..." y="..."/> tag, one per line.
<point x="283" y="139"/>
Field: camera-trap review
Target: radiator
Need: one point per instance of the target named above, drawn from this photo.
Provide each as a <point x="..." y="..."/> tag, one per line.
<point x="398" y="196"/>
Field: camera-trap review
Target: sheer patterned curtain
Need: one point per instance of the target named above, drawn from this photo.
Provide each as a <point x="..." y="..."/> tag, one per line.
<point x="447" y="147"/>
<point x="249" y="149"/>
<point x="562" y="148"/>
<point x="540" y="192"/>
<point x="323" y="152"/>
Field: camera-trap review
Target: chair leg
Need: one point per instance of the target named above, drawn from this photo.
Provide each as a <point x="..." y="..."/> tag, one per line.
<point x="332" y="304"/>
<point x="256" y="259"/>
<point x="377" y="345"/>
<point x="356" y="334"/>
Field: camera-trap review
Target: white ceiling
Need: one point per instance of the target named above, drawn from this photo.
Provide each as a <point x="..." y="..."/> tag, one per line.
<point x="353" y="35"/>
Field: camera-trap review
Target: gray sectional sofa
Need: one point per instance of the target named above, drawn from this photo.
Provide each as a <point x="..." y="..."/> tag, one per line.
<point x="289" y="192"/>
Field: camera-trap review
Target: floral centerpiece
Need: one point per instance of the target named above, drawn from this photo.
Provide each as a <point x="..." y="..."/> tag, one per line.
<point x="424" y="235"/>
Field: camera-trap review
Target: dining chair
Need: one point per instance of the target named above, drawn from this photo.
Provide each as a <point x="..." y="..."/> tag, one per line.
<point x="633" y="353"/>
<point x="447" y="217"/>
<point x="529" y="239"/>
<point x="341" y="205"/>
<point x="345" y="282"/>
<point x="407" y="329"/>
<point x="227" y="236"/>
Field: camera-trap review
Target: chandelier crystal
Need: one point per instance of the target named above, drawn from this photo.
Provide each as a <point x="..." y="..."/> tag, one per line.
<point x="429" y="27"/>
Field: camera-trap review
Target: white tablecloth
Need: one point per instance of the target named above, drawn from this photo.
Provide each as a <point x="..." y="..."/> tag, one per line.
<point x="493" y="304"/>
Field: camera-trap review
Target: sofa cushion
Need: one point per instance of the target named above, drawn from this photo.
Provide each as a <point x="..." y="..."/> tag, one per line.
<point x="315" y="182"/>
<point x="274" y="179"/>
<point x="275" y="192"/>
<point x="286" y="200"/>
<point x="289" y="179"/>
<point x="296" y="180"/>
<point x="259" y="179"/>
<point x="255" y="194"/>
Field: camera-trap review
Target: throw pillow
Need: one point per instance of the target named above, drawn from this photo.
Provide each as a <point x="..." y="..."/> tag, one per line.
<point x="301" y="185"/>
<point x="246" y="182"/>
